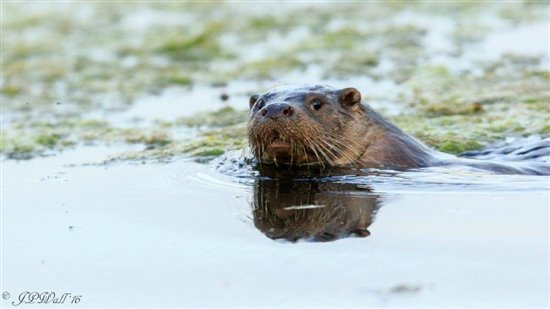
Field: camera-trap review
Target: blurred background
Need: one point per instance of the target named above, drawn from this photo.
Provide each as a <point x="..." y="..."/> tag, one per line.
<point x="458" y="75"/>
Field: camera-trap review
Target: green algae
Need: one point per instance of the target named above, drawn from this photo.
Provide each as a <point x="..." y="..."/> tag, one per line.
<point x="47" y="140"/>
<point x="457" y="147"/>
<point x="223" y="117"/>
<point x="212" y="141"/>
<point x="37" y="138"/>
<point x="155" y="138"/>
<point x="448" y="108"/>
<point x="176" y="79"/>
<point x="270" y="67"/>
<point x="183" y="47"/>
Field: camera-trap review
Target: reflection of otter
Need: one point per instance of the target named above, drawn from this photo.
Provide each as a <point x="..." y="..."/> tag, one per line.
<point x="292" y="210"/>
<point x="320" y="125"/>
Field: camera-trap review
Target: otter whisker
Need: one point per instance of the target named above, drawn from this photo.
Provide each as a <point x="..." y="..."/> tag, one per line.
<point x="314" y="144"/>
<point x="294" y="152"/>
<point x="325" y="146"/>
<point x="350" y="145"/>
<point x="321" y="145"/>
<point x="324" y="155"/>
<point x="305" y="155"/>
<point x="333" y="152"/>
<point x="340" y="151"/>
<point x="317" y="155"/>
<point x="337" y="151"/>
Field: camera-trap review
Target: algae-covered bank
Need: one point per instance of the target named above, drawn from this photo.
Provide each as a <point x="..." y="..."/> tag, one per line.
<point x="127" y="182"/>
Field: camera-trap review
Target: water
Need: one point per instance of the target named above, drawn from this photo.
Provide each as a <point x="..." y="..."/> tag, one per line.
<point x="184" y="234"/>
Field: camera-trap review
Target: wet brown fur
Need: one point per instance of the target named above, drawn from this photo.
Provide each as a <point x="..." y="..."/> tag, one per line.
<point x="346" y="134"/>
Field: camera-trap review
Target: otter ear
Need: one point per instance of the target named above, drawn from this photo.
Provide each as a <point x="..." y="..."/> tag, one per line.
<point x="253" y="100"/>
<point x="350" y="97"/>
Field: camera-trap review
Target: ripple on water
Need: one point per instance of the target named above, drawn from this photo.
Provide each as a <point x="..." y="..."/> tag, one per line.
<point x="432" y="179"/>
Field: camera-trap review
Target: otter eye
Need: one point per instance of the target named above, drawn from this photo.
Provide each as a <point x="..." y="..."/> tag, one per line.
<point x="316" y="104"/>
<point x="260" y="104"/>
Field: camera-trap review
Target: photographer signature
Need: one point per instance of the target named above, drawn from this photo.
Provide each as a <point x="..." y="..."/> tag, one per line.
<point x="43" y="298"/>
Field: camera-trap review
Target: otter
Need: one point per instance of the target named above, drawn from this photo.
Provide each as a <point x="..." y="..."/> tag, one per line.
<point x="323" y="126"/>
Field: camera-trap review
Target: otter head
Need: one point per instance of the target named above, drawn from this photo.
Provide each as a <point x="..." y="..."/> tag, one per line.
<point x="306" y="125"/>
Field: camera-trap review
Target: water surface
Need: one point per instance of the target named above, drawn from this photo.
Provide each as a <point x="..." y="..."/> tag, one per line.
<point x="183" y="234"/>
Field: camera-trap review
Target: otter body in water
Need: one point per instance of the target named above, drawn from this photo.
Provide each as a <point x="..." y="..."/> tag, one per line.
<point x="320" y="125"/>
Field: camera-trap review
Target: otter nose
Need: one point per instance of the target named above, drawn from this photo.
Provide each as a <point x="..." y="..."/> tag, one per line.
<point x="277" y="110"/>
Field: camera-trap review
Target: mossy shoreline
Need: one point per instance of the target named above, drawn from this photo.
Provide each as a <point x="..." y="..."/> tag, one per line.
<point x="60" y="69"/>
